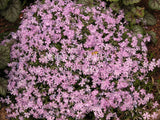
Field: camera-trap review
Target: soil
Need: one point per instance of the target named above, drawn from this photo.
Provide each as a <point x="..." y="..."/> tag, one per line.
<point x="3" y="114"/>
<point x="6" y="27"/>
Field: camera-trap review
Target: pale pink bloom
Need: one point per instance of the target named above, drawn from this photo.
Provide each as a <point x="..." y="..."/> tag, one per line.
<point x="146" y="116"/>
<point x="155" y="104"/>
<point x="154" y="115"/>
<point x="132" y="88"/>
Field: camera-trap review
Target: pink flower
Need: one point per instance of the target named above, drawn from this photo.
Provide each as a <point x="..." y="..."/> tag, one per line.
<point x="132" y="88"/>
<point x="155" y="104"/>
<point x="146" y="116"/>
<point x="134" y="41"/>
<point x="64" y="70"/>
<point x="98" y="112"/>
<point x="154" y="115"/>
<point x="94" y="93"/>
<point x="108" y="117"/>
<point x="122" y="84"/>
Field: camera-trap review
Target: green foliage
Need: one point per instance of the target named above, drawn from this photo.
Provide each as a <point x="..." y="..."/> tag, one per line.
<point x="86" y="2"/>
<point x="138" y="29"/>
<point x="130" y="17"/>
<point x="113" y="0"/>
<point x="4" y="56"/>
<point x="149" y="19"/>
<point x="154" y="4"/>
<point x="138" y="11"/>
<point x="3" y="86"/>
<point x="153" y="36"/>
<point x="130" y="2"/>
<point x="115" y="6"/>
<point x="133" y="12"/>
<point x="13" y="10"/>
<point x="3" y="4"/>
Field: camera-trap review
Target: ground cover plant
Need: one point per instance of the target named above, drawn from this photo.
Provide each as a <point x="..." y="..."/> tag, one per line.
<point x="71" y="60"/>
<point x="138" y="16"/>
<point x="11" y="9"/>
<point x="133" y="11"/>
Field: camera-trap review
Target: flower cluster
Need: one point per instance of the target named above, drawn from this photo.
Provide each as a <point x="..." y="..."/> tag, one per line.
<point x="70" y="60"/>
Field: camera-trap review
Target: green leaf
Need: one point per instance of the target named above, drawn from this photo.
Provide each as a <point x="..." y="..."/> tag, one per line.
<point x="3" y="86"/>
<point x="4" y="56"/>
<point x="12" y="13"/>
<point x="126" y="2"/>
<point x="138" y="29"/>
<point x="149" y="19"/>
<point x="154" y="4"/>
<point x="138" y="11"/>
<point x="112" y="0"/>
<point x="130" y="2"/>
<point x="3" y="4"/>
<point x="153" y="36"/>
<point x="115" y="6"/>
<point x="86" y="2"/>
<point x="129" y="16"/>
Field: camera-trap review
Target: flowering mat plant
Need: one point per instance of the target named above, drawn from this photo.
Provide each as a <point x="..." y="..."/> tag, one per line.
<point x="70" y="61"/>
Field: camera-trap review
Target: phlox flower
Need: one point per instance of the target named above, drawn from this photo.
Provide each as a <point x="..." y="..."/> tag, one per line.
<point x="134" y="42"/>
<point x="146" y="116"/>
<point x="147" y="39"/>
<point x="152" y="65"/>
<point x="155" y="104"/>
<point x="66" y="63"/>
<point x="154" y="115"/>
<point x="98" y="112"/>
<point x="143" y="92"/>
<point x="110" y="115"/>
